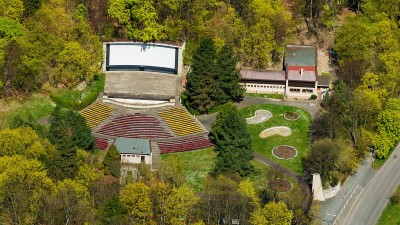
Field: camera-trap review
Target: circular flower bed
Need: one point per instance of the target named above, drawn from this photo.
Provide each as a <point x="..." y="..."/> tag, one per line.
<point x="280" y="185"/>
<point x="291" y="116"/>
<point x="284" y="152"/>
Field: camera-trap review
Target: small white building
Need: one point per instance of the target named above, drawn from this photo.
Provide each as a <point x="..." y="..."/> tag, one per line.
<point x="134" y="150"/>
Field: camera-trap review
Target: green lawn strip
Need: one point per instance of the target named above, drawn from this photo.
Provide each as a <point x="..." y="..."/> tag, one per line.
<point x="76" y="99"/>
<point x="196" y="165"/>
<point x="275" y="96"/>
<point x="36" y="106"/>
<point x="299" y="138"/>
<point x="390" y="215"/>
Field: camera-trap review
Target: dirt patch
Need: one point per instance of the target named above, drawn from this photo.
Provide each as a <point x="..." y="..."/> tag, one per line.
<point x="280" y="185"/>
<point x="284" y="152"/>
<point x="291" y="116"/>
<point x="259" y="117"/>
<point x="280" y="130"/>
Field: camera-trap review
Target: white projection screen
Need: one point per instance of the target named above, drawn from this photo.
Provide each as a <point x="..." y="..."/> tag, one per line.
<point x="137" y="56"/>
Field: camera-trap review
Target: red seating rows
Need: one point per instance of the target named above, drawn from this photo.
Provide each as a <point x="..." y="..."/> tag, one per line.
<point x="101" y="143"/>
<point x="182" y="145"/>
<point x="135" y="126"/>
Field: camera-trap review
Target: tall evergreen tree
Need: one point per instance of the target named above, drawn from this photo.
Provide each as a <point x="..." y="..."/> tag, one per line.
<point x="112" y="162"/>
<point x="228" y="76"/>
<point x="233" y="145"/>
<point x="201" y="88"/>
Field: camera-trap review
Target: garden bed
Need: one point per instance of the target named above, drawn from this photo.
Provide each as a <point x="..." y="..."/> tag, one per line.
<point x="278" y="130"/>
<point x="284" y="152"/>
<point x="280" y="185"/>
<point x="259" y="117"/>
<point x="291" y="115"/>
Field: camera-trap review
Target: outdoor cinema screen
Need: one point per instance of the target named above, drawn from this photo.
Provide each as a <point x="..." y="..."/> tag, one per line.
<point x="138" y="56"/>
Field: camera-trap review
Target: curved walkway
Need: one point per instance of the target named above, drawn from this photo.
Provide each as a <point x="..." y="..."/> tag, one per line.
<point x="311" y="106"/>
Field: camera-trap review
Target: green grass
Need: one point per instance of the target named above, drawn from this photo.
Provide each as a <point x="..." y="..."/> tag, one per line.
<point x="36" y="106"/>
<point x="196" y="165"/>
<point x="390" y="215"/>
<point x="76" y="99"/>
<point x="275" y="96"/>
<point x="298" y="139"/>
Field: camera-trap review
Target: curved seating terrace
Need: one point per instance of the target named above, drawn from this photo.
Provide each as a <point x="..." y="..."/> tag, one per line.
<point x="135" y="126"/>
<point x="184" y="144"/>
<point x="180" y="121"/>
<point x="96" y="114"/>
<point x="259" y="117"/>
<point x="279" y="130"/>
<point x="101" y="143"/>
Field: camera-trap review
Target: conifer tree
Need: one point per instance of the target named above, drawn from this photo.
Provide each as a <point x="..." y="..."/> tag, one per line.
<point x="201" y="88"/>
<point x="228" y="76"/>
<point x="233" y="145"/>
<point x="112" y="162"/>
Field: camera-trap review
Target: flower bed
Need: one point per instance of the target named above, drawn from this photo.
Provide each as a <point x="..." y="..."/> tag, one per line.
<point x="291" y="115"/>
<point x="280" y="185"/>
<point x="284" y="152"/>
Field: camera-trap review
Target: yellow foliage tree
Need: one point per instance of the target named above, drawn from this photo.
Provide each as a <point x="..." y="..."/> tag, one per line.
<point x="136" y="198"/>
<point x="273" y="213"/>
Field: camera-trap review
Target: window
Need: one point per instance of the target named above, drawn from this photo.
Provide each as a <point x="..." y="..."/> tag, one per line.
<point x="295" y="90"/>
<point x="307" y="91"/>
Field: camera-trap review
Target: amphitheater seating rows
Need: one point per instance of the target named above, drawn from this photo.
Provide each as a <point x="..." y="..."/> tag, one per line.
<point x="180" y="121"/>
<point x="135" y="126"/>
<point x="96" y="114"/>
<point x="101" y="143"/>
<point x="184" y="144"/>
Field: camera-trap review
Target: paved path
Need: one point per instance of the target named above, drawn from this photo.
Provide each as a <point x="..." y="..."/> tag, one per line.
<point x="332" y="207"/>
<point x="371" y="203"/>
<point x="313" y="106"/>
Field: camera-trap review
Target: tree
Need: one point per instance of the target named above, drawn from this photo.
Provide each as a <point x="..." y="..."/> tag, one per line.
<point x="222" y="199"/>
<point x="68" y="203"/>
<point x="138" y="18"/>
<point x="23" y="185"/>
<point x="112" y="162"/>
<point x="24" y="141"/>
<point x="233" y="145"/>
<point x="228" y="76"/>
<point x="272" y="214"/>
<point x="12" y="9"/>
<point x="72" y="65"/>
<point x="69" y="128"/>
<point x="201" y="89"/>
<point x="136" y="198"/>
<point x="178" y="204"/>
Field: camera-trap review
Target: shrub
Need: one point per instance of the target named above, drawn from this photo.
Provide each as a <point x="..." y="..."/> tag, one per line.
<point x="313" y="97"/>
<point x="395" y="198"/>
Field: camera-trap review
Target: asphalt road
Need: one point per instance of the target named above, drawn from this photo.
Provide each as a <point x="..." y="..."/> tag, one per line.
<point x="371" y="203"/>
<point x="331" y="207"/>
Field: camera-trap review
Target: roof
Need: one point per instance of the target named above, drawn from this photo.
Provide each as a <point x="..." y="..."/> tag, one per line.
<point x="132" y="146"/>
<point x="294" y="75"/>
<point x="300" y="55"/>
<point x="323" y="81"/>
<point x="276" y="75"/>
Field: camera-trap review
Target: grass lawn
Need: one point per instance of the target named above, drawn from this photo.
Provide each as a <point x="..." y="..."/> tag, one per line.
<point x="37" y="106"/>
<point x="275" y="96"/>
<point x="298" y="139"/>
<point x="390" y="215"/>
<point x="196" y="165"/>
<point x="79" y="99"/>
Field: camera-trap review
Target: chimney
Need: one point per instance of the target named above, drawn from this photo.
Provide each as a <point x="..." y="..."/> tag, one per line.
<point x="301" y="72"/>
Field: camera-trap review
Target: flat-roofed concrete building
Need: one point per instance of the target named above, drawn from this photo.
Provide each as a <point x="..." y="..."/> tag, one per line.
<point x="142" y="74"/>
<point x="298" y="79"/>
